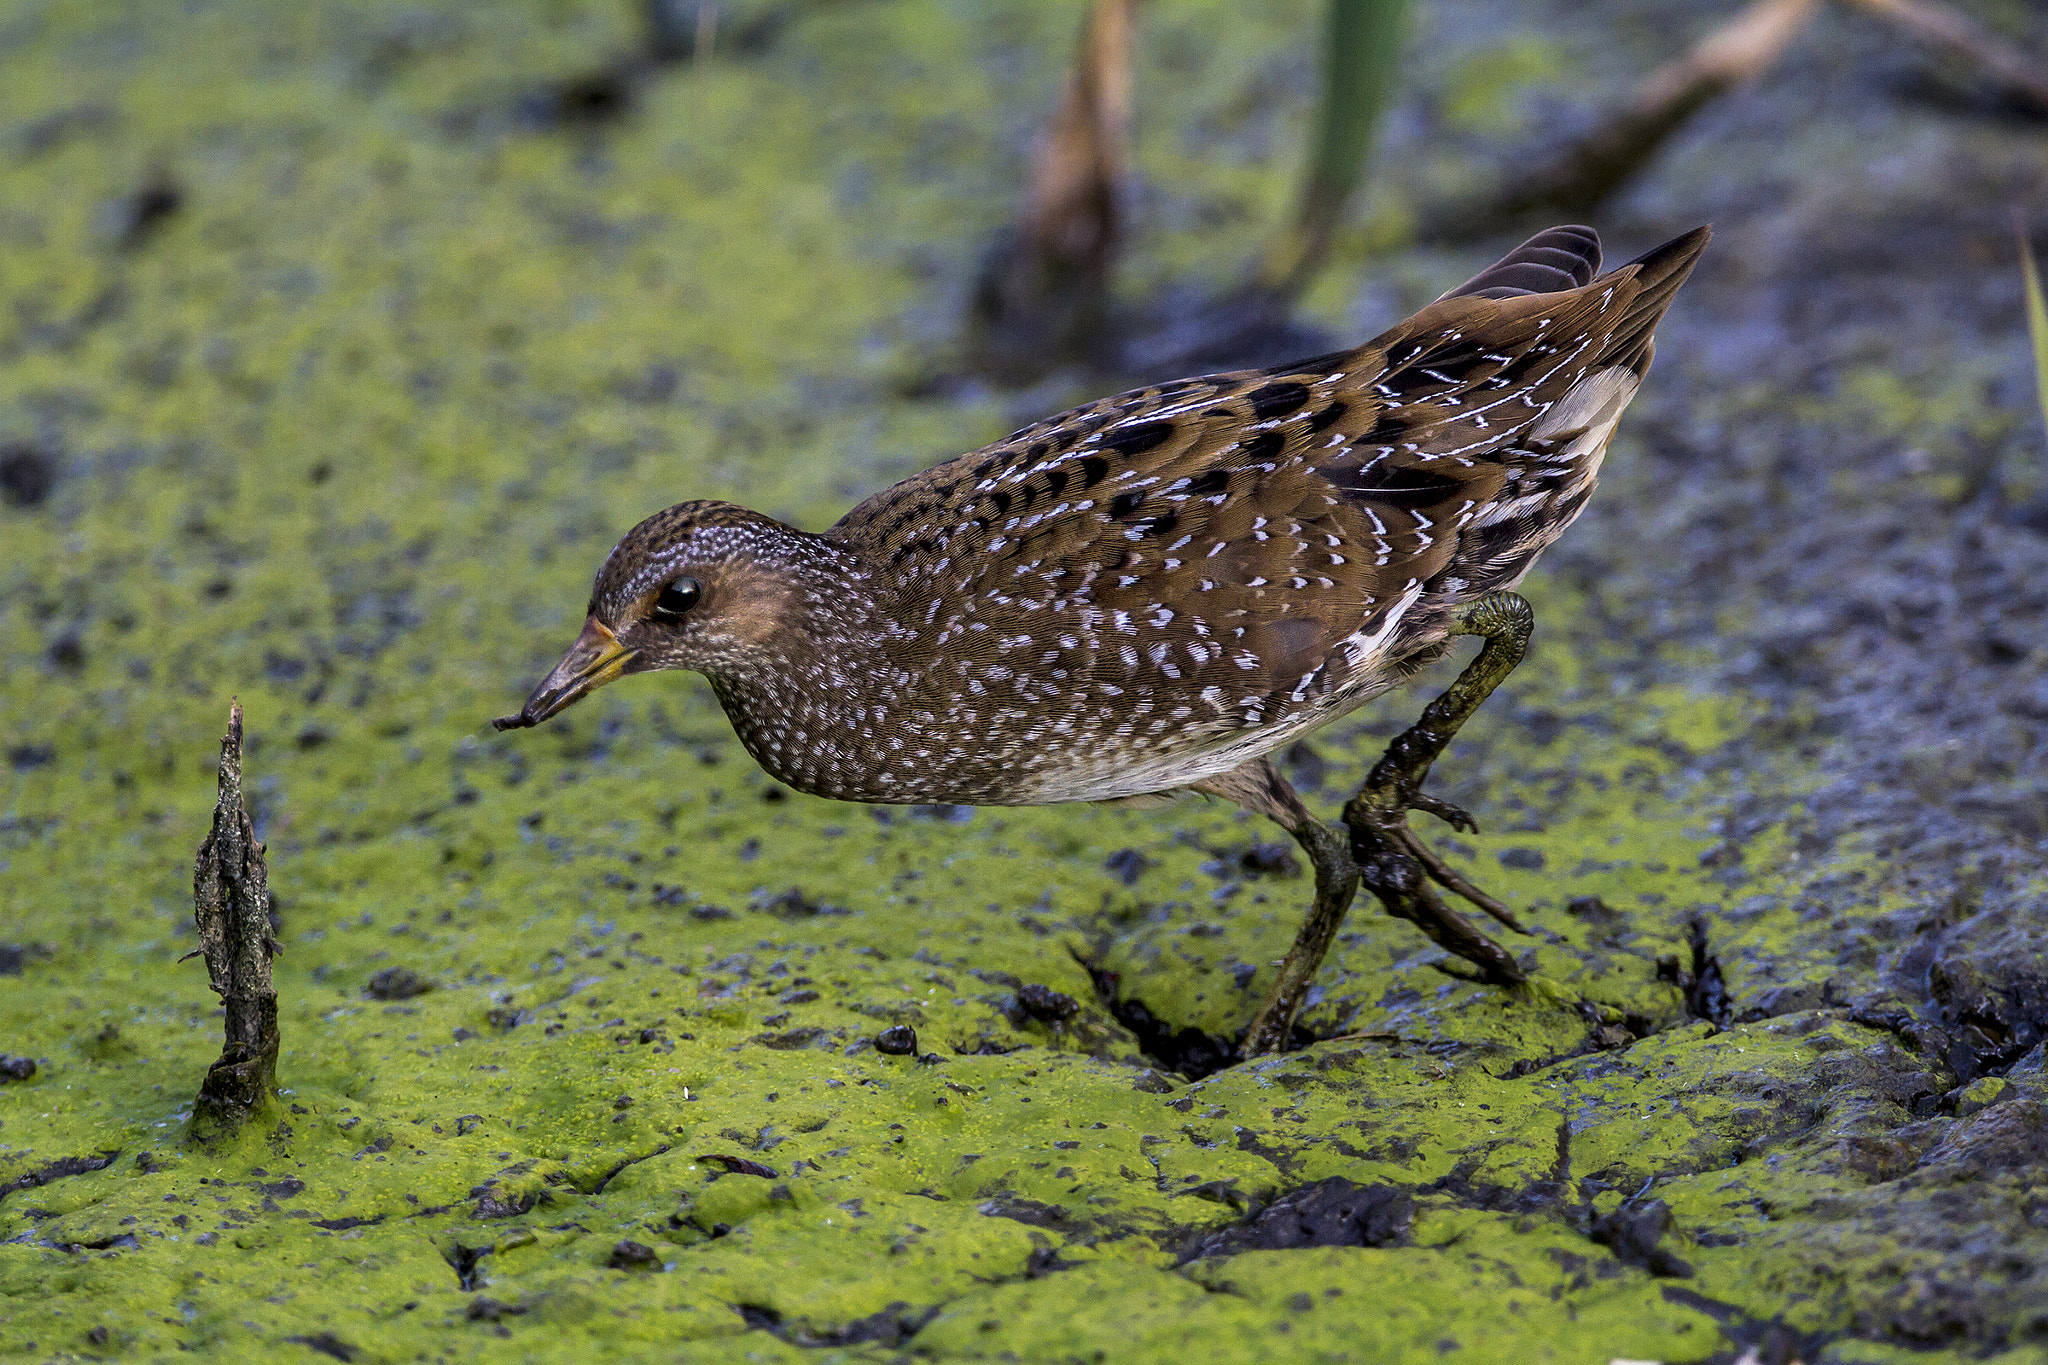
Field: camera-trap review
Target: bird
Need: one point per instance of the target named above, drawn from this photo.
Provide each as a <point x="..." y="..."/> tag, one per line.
<point x="1152" y="593"/>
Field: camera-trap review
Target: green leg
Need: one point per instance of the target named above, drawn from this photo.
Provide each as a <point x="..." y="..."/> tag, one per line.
<point x="1393" y="863"/>
<point x="1259" y="788"/>
<point x="1382" y="853"/>
<point x="1336" y="884"/>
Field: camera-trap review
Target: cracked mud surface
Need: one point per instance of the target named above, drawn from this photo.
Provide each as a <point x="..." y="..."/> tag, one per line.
<point x="337" y="356"/>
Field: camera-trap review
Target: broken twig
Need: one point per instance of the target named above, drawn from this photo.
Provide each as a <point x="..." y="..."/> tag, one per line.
<point x="231" y="905"/>
<point x="1588" y="169"/>
<point x="2014" y="74"/>
<point x="1043" y="294"/>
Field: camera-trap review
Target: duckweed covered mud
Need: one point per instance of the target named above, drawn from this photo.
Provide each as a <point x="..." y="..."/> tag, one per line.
<point x="579" y="1024"/>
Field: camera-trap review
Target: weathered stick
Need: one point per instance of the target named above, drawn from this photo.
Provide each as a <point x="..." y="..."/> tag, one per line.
<point x="1593" y="166"/>
<point x="1077" y="172"/>
<point x="1043" y="293"/>
<point x="2016" y="74"/>
<point x="231" y="905"/>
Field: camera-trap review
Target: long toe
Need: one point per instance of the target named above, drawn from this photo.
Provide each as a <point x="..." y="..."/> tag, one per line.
<point x="1400" y="870"/>
<point x="1457" y="817"/>
<point x="1451" y="880"/>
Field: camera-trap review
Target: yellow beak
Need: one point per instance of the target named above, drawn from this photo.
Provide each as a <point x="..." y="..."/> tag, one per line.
<point x="594" y="660"/>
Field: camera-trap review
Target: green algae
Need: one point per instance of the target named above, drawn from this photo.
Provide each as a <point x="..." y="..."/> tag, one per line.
<point x="347" y="436"/>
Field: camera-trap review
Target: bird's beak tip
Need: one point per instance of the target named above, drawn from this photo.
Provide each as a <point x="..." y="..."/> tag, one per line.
<point x="595" y="659"/>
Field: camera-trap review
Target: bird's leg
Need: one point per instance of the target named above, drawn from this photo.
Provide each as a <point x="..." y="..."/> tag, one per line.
<point x="1392" y="862"/>
<point x="1381" y="851"/>
<point x="1259" y="787"/>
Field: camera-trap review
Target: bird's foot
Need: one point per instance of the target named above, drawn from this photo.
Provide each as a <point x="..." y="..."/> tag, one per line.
<point x="1399" y="868"/>
<point x="1381" y="852"/>
<point x="1451" y="880"/>
<point x="1394" y="788"/>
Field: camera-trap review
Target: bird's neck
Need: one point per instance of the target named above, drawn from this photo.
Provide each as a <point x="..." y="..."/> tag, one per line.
<point x="814" y="705"/>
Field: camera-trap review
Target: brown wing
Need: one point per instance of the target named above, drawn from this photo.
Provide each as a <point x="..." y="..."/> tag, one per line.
<point x="1249" y="538"/>
<point x="1173" y="535"/>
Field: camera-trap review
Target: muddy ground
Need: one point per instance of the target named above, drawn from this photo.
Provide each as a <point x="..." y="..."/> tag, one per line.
<point x="339" y="346"/>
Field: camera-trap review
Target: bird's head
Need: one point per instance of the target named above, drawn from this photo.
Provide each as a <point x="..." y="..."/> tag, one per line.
<point x="704" y="585"/>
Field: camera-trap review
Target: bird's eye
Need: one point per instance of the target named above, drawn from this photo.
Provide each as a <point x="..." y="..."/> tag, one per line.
<point x="676" y="599"/>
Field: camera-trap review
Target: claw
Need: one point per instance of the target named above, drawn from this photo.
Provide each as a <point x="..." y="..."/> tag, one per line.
<point x="1394" y="790"/>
